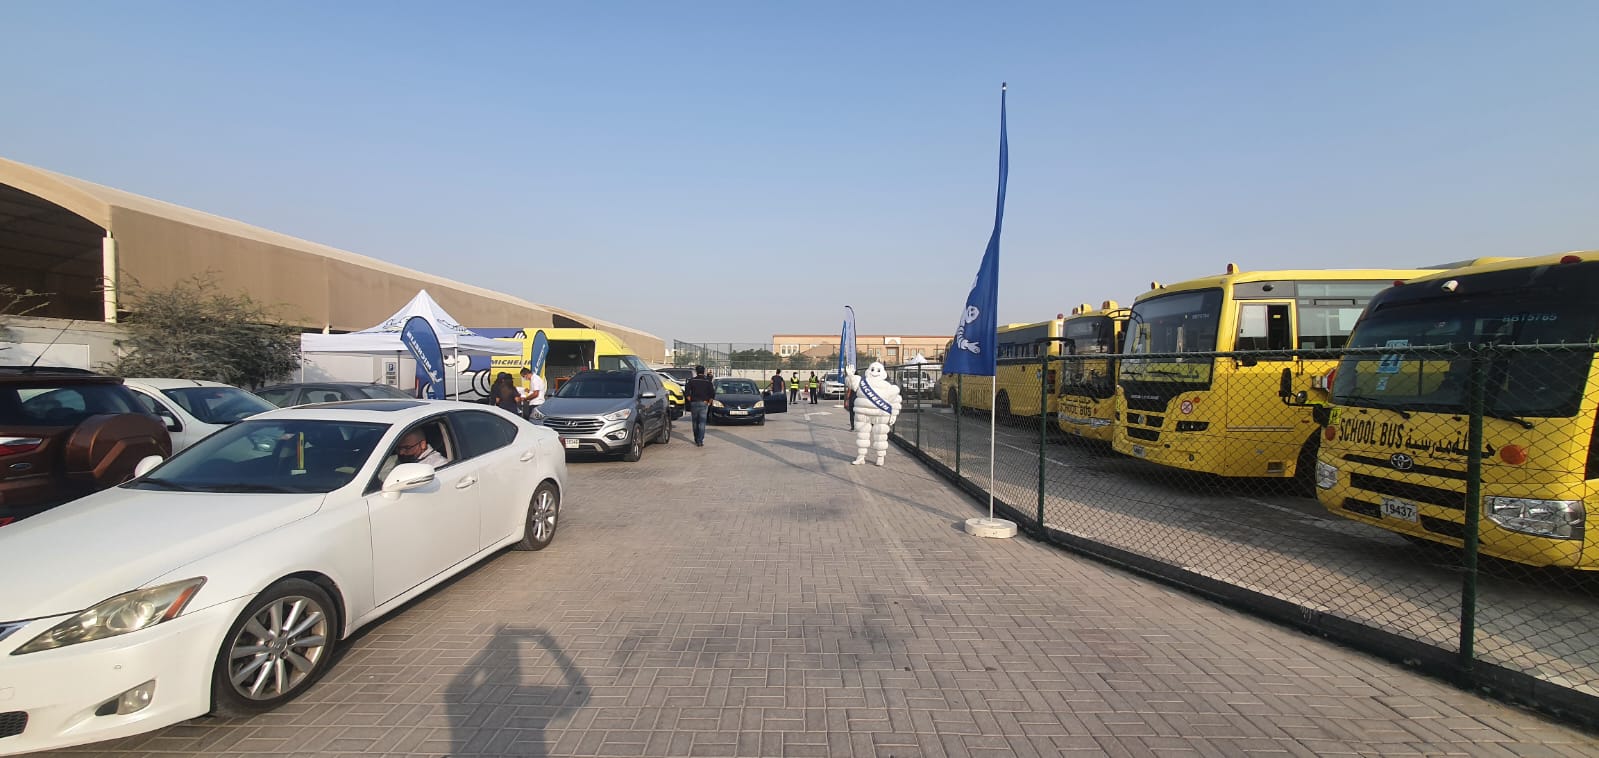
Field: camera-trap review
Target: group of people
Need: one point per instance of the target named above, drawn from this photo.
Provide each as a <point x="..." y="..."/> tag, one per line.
<point x="794" y="386"/>
<point x="519" y="400"/>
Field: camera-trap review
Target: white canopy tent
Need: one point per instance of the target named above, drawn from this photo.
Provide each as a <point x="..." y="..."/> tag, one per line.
<point x="384" y="339"/>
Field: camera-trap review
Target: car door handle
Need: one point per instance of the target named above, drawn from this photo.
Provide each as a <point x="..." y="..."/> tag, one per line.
<point x="527" y="456"/>
<point x="466" y="481"/>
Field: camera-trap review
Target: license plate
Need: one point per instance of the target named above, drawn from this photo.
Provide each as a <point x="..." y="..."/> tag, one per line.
<point x="1138" y="451"/>
<point x="1399" y="509"/>
<point x="738" y="413"/>
<point x="571" y="444"/>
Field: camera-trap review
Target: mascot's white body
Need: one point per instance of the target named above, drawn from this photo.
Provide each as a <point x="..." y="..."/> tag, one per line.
<point x="871" y="421"/>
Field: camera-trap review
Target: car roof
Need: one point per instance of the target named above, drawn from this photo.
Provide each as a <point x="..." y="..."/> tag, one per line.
<point x="285" y="385"/>
<point x="379" y="411"/>
<point x="168" y="384"/>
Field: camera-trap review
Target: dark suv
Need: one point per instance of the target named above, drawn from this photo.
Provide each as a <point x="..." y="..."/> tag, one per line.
<point x="65" y="433"/>
<point x="609" y="412"/>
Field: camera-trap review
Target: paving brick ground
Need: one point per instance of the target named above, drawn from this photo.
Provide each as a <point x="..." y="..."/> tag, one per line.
<point x="760" y="596"/>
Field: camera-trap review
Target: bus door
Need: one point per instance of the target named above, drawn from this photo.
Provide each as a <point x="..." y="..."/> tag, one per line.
<point x="1254" y="409"/>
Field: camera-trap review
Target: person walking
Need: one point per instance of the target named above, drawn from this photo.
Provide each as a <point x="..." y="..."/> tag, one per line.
<point x="849" y="402"/>
<point x="779" y="387"/>
<point x="811" y="385"/>
<point x="532" y="394"/>
<point x="699" y="392"/>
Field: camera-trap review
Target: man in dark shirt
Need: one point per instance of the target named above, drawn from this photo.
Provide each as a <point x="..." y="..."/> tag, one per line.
<point x="699" y="392"/>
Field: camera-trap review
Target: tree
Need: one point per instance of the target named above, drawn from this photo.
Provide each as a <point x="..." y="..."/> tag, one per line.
<point x="191" y="330"/>
<point x="753" y="358"/>
<point x="15" y="302"/>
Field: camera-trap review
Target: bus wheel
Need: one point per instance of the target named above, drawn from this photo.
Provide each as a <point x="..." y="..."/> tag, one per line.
<point x="1305" y="467"/>
<point x="1002" y="409"/>
<point x="954" y="402"/>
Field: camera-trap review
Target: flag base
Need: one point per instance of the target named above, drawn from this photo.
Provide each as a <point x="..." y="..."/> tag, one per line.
<point x="996" y="528"/>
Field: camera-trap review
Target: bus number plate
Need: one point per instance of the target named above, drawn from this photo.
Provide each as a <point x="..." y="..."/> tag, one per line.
<point x="1399" y="509"/>
<point x="1138" y="451"/>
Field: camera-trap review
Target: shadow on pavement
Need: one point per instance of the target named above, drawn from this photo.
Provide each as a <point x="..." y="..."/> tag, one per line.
<point x="508" y="694"/>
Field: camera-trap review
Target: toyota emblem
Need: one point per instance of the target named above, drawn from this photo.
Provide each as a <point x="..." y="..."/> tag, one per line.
<point x="1401" y="461"/>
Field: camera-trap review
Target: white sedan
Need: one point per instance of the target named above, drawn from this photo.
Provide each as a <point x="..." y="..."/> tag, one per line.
<point x="194" y="408"/>
<point x="222" y="580"/>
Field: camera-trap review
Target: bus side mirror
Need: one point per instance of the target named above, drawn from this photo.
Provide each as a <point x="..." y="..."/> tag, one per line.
<point x="1285" y="388"/>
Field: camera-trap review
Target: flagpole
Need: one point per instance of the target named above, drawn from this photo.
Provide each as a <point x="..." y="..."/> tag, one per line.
<point x="993" y="393"/>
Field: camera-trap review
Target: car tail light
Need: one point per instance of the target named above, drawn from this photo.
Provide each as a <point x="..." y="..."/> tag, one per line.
<point x="15" y="445"/>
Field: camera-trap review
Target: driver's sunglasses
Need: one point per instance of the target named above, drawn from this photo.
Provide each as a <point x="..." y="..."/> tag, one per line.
<point x="412" y="445"/>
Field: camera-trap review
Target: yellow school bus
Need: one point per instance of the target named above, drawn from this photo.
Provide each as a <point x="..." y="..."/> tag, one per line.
<point x="1396" y="447"/>
<point x="1085" y="405"/>
<point x="1017" y="393"/>
<point x="573" y="349"/>
<point x="1223" y="415"/>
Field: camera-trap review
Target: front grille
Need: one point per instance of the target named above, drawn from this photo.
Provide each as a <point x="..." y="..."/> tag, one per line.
<point x="1150" y="435"/>
<point x="1446" y="528"/>
<point x="1408" y="491"/>
<point x="1144" y="419"/>
<point x="1442" y="473"/>
<point x="12" y="723"/>
<point x="1369" y="510"/>
<point x="573" y="425"/>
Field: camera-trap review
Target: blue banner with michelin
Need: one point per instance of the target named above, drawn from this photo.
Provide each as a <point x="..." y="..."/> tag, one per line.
<point x="423" y="343"/>
<point x="540" y="351"/>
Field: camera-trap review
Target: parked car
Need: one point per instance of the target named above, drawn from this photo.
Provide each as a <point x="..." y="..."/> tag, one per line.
<point x="679" y="374"/>
<point x="65" y="433"/>
<point x="833" y="385"/>
<point x="288" y="395"/>
<point x="914" y="383"/>
<point x="225" y="579"/>
<point x="609" y="412"/>
<point x="737" y="400"/>
<point x="192" y="408"/>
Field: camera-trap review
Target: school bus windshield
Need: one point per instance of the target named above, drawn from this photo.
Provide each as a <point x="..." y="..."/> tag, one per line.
<point x="1182" y="322"/>
<point x="1432" y="372"/>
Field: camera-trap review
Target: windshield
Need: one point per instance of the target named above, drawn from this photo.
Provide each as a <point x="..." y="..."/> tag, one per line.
<point x="218" y="405"/>
<point x="382" y="392"/>
<point x="1084" y="336"/>
<point x="621" y="363"/>
<point x="736" y="387"/>
<point x="612" y="387"/>
<point x="62" y="406"/>
<point x="1183" y="322"/>
<point x="1429" y="369"/>
<point x="273" y="455"/>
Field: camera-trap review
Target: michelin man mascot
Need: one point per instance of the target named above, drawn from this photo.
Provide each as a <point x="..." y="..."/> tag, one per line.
<point x="876" y="409"/>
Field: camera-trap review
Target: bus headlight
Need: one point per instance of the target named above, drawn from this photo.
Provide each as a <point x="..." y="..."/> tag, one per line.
<point x="1326" y="475"/>
<point x="1560" y="519"/>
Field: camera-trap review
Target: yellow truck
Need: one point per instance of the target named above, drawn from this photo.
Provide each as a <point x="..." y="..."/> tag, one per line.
<point x="575" y="349"/>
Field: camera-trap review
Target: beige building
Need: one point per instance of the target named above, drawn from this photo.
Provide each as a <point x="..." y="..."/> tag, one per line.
<point x="68" y="237"/>
<point x="890" y="349"/>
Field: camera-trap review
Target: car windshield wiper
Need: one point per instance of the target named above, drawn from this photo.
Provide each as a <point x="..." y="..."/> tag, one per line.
<point x="250" y="487"/>
<point x="164" y="483"/>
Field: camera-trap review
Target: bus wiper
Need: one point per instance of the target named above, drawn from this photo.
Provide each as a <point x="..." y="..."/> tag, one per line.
<point x="1371" y="402"/>
<point x="1525" y="424"/>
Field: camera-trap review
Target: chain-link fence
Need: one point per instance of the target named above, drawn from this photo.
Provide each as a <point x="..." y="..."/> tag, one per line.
<point x="751" y="359"/>
<point x="1429" y="505"/>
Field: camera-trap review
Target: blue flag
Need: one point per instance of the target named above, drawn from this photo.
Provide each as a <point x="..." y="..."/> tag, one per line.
<point x="538" y="352"/>
<point x="423" y="342"/>
<point x="973" y="350"/>
<point x="846" y="343"/>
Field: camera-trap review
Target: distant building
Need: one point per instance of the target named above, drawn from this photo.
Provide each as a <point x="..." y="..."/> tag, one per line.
<point x="890" y="349"/>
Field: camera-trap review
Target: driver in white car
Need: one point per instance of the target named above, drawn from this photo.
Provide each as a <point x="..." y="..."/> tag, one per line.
<point x="414" y="448"/>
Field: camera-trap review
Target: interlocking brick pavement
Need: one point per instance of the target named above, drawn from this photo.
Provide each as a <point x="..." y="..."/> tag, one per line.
<point x="760" y="596"/>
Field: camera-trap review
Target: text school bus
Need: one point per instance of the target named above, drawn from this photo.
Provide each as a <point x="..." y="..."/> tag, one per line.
<point x="1015" y="387"/>
<point x="1398" y="442"/>
<point x="1085" y="405"/>
<point x="1223" y="415"/>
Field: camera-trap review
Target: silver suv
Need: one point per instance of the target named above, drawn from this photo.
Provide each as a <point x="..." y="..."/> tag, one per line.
<point x="608" y="412"/>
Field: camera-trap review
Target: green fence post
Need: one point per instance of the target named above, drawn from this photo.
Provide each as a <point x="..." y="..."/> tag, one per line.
<point x="958" y="396"/>
<point x="1043" y="431"/>
<point x="1468" y="586"/>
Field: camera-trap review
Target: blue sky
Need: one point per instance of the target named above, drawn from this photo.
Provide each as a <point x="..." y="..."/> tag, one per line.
<point x="723" y="171"/>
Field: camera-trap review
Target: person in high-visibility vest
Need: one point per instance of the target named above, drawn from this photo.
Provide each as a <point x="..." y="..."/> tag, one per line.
<point x="793" y="388"/>
<point x="811" y="385"/>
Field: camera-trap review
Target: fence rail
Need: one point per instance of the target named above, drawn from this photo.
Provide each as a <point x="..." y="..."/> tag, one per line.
<point x="1428" y="504"/>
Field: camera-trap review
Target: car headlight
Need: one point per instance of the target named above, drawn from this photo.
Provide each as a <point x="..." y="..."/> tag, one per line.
<point x="620" y="415"/>
<point x="759" y="404"/>
<point x="535" y="414"/>
<point x="128" y="612"/>
<point x="1326" y="475"/>
<point x="716" y="403"/>
<point x="1560" y="519"/>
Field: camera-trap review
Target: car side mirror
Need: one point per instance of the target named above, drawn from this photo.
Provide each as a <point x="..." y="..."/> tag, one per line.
<point x="407" y="476"/>
<point x="173" y="425"/>
<point x="146" y="464"/>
